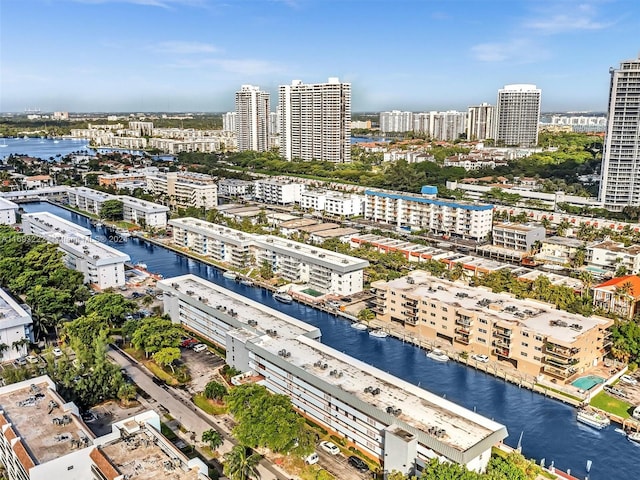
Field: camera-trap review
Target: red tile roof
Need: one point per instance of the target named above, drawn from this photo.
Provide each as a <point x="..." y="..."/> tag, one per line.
<point x="633" y="280"/>
<point x="103" y="464"/>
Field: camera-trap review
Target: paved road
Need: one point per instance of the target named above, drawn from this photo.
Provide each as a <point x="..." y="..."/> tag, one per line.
<point x="181" y="408"/>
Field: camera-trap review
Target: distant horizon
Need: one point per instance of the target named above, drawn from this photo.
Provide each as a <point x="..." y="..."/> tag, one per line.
<point x="193" y="55"/>
<point x="222" y="112"/>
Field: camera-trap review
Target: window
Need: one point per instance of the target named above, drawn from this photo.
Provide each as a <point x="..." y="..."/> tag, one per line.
<point x="445" y="309"/>
<point x="538" y="349"/>
<point x="537" y="359"/>
<point x="524" y="344"/>
<point x="481" y="340"/>
<point x="483" y="321"/>
<point x="433" y="314"/>
<point x="538" y="338"/>
<point x="524" y="354"/>
<point x="482" y="330"/>
<point x="525" y="334"/>
<point x="432" y="323"/>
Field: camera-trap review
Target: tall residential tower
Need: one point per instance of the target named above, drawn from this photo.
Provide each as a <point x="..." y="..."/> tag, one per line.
<point x="252" y="119"/>
<point x="517" y="115"/>
<point x="620" y="183"/>
<point x="480" y="120"/>
<point x="316" y="121"/>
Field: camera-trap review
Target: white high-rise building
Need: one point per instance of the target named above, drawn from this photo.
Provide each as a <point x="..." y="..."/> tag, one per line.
<point x="447" y="125"/>
<point x="517" y="115"/>
<point x="229" y="122"/>
<point x="396" y="121"/>
<point x="252" y="119"/>
<point x="480" y="120"/>
<point x="620" y="184"/>
<point x="316" y="121"/>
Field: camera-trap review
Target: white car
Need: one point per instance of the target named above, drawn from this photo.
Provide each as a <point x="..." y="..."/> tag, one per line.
<point x="312" y="459"/>
<point x="32" y="359"/>
<point x="628" y="379"/>
<point x="57" y="352"/>
<point x="330" y="448"/>
<point x="200" y="347"/>
<point x="480" y="358"/>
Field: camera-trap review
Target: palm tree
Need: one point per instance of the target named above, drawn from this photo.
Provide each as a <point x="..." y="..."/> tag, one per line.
<point x="586" y="277"/>
<point x="212" y="438"/>
<point x="3" y="348"/>
<point x="18" y="344"/>
<point x="239" y="464"/>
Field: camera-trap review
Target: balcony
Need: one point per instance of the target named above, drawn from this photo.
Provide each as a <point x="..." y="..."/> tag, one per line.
<point x="502" y="352"/>
<point x="464" y="339"/>
<point x="462" y="331"/>
<point x="560" y="350"/>
<point x="464" y="320"/>
<point x="501" y="332"/>
<point x="562" y="373"/>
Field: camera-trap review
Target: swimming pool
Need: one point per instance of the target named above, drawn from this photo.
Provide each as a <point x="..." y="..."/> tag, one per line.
<point x="588" y="382"/>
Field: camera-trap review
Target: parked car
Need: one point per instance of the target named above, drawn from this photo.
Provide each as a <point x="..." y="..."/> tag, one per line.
<point x="358" y="463"/>
<point x="480" y="358"/>
<point x="32" y="359"/>
<point x="329" y="447"/>
<point x="312" y="459"/>
<point x="21" y="361"/>
<point x="57" y="352"/>
<point x="628" y="379"/>
<point x="189" y="342"/>
<point x="200" y="347"/>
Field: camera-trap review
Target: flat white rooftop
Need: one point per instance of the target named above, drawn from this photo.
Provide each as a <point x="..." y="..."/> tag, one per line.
<point x="7" y="204"/>
<point x="226" y="234"/>
<point x="53" y="223"/>
<point x="536" y="316"/>
<point x="310" y="254"/>
<point x="419" y="408"/>
<point x="11" y="313"/>
<point x="245" y="310"/>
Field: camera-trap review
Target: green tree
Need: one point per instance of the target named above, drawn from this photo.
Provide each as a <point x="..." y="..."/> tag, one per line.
<point x="112" y="210"/>
<point x="113" y="307"/>
<point x="215" y="391"/>
<point x="212" y="438"/>
<point x="152" y="334"/>
<point x="266" y="271"/>
<point x="241" y="464"/>
<point x="167" y="356"/>
<point x="366" y="315"/>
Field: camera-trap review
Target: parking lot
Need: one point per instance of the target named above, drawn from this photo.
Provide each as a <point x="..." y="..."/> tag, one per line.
<point x="626" y="391"/>
<point x="202" y="367"/>
<point x="339" y="467"/>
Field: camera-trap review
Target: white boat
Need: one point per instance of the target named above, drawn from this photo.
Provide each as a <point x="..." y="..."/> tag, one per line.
<point x="359" y="326"/>
<point x="593" y="419"/>
<point x="247" y="282"/>
<point x="56" y="141"/>
<point x="634" y="437"/>
<point x="230" y="275"/>
<point x="141" y="265"/>
<point x="283" y="297"/>
<point x="378" y="333"/>
<point x="99" y="225"/>
<point x="123" y="233"/>
<point x="438" y="355"/>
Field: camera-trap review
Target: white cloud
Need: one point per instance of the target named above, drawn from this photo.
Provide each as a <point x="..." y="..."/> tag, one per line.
<point x="183" y="48"/>
<point x="565" y="17"/>
<point x="516" y="51"/>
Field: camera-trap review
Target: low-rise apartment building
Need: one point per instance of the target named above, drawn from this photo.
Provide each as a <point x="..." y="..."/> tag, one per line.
<point x="277" y="192"/>
<point x="16" y="326"/>
<point x="233" y="187"/>
<point x="515" y="236"/>
<point x="43" y="437"/>
<point x="8" y="211"/>
<point x="100" y="264"/>
<point x="185" y="189"/>
<point x="534" y="337"/>
<point x="135" y="210"/>
<point x="332" y="203"/>
<point x="609" y="256"/>
<point x="218" y="242"/>
<point x="619" y="296"/>
<point x="559" y="250"/>
<point x="440" y="217"/>
<point x="390" y="420"/>
<point x="321" y="269"/>
<point x="295" y="262"/>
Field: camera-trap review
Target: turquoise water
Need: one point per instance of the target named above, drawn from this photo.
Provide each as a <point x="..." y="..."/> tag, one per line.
<point x="595" y="270"/>
<point x="587" y="383"/>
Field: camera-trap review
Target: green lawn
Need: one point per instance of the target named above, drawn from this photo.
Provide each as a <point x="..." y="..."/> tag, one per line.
<point x="206" y="406"/>
<point x="605" y="402"/>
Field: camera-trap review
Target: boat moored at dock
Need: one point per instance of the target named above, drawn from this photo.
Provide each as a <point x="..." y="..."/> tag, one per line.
<point x="593" y="419"/>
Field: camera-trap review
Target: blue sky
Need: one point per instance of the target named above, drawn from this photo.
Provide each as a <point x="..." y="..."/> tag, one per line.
<point x="192" y="55"/>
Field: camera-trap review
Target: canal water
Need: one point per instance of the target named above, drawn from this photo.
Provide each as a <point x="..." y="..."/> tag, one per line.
<point x="549" y="428"/>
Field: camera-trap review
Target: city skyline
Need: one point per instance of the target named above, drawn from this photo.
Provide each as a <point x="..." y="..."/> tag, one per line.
<point x="193" y="55"/>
